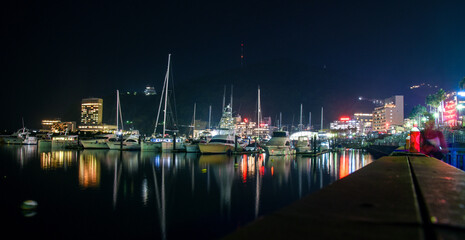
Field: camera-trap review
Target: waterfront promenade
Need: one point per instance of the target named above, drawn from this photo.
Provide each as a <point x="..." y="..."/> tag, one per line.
<point x="408" y="196"/>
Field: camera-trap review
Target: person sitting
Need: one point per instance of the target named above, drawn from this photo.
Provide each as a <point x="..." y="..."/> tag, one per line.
<point x="432" y="142"/>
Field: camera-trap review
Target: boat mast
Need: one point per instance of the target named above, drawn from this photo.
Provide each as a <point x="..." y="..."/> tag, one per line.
<point x="120" y="113"/>
<point x="193" y="122"/>
<point x="166" y="94"/>
<point x="210" y="117"/>
<point x="300" y="124"/>
<point x="321" y="118"/>
<point x="258" y="111"/>
<point x="117" y="110"/>
<point x="224" y="97"/>
<point x="280" y="120"/>
<point x="310" y="120"/>
<point x="231" y="97"/>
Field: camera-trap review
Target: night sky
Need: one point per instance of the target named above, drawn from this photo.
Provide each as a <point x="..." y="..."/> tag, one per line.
<point x="319" y="53"/>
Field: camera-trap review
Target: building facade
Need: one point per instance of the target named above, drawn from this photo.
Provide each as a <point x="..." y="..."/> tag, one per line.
<point x="390" y="115"/>
<point x="91" y="111"/>
<point x="91" y="114"/>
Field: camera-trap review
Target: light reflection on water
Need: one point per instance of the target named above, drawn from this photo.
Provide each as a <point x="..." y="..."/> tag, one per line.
<point x="156" y="195"/>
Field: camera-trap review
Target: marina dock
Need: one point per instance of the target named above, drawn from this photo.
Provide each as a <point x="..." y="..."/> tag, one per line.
<point x="396" y="197"/>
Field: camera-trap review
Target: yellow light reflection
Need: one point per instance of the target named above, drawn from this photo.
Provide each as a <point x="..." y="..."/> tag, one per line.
<point x="89" y="171"/>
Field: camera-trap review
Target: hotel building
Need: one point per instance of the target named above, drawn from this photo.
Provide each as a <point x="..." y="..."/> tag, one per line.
<point x="390" y="115"/>
<point x="91" y="116"/>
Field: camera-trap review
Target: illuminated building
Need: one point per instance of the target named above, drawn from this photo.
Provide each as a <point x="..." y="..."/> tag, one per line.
<point x="366" y="122"/>
<point x="91" y="116"/>
<point x="149" y="90"/>
<point x="57" y="126"/>
<point x="389" y="115"/>
<point x="360" y="124"/>
<point x="346" y="124"/>
<point x="63" y="127"/>
<point x="91" y="111"/>
<point x="47" y="124"/>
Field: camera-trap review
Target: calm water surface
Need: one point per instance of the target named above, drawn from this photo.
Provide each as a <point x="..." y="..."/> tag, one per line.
<point x="131" y="195"/>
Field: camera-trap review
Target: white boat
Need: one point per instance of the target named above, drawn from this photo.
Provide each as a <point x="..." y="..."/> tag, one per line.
<point x="129" y="143"/>
<point x="302" y="145"/>
<point x="30" y="140"/>
<point x="219" y="144"/>
<point x="65" y="142"/>
<point x="15" y="138"/>
<point x="279" y="144"/>
<point x="97" y="142"/>
<point x="225" y="141"/>
<point x="22" y="136"/>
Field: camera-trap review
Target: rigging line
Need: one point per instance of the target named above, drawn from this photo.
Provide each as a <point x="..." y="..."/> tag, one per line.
<point x="174" y="97"/>
<point x="161" y="101"/>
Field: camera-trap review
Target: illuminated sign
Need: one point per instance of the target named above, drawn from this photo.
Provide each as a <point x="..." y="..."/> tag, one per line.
<point x="450" y="113"/>
<point x="344" y="119"/>
<point x="246" y="120"/>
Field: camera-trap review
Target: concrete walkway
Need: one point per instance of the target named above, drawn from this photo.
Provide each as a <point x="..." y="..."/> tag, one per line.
<point x="395" y="197"/>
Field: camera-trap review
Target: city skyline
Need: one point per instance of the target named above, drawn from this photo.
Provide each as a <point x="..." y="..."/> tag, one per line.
<point x="318" y="54"/>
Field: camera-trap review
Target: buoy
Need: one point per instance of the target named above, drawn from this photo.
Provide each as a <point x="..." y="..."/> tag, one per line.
<point x="29" y="205"/>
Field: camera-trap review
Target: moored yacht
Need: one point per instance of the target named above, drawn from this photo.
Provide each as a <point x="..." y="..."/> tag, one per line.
<point x="302" y="145"/>
<point x="218" y="144"/>
<point x="130" y="142"/>
<point x="65" y="142"/>
<point x="225" y="141"/>
<point x="279" y="144"/>
<point x="97" y="142"/>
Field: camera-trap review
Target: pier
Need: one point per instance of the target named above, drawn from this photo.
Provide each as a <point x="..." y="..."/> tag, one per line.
<point x="405" y="196"/>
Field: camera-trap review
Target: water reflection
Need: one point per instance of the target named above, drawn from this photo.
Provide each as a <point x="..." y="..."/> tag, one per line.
<point x="57" y="160"/>
<point x="186" y="191"/>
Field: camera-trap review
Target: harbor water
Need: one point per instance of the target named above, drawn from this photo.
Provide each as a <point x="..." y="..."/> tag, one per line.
<point x="131" y="195"/>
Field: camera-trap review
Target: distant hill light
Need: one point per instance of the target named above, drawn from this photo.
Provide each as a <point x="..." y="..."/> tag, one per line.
<point x="149" y="90"/>
<point x="424" y="85"/>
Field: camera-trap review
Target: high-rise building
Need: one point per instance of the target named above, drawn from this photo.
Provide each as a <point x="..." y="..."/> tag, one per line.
<point x="389" y="115"/>
<point x="91" y="111"/>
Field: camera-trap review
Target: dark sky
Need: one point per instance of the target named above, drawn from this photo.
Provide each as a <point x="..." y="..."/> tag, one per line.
<point x="56" y="52"/>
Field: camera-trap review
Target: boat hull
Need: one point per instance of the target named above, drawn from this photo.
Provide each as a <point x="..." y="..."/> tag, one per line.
<point x="150" y="146"/>
<point x="213" y="148"/>
<point x="304" y="149"/>
<point x="125" y="146"/>
<point x="94" y="144"/>
<point x="192" y="148"/>
<point x="278" y="150"/>
<point x="13" y="140"/>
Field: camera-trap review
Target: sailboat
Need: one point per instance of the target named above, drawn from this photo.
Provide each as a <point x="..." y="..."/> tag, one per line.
<point x="163" y="143"/>
<point x="121" y="142"/>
